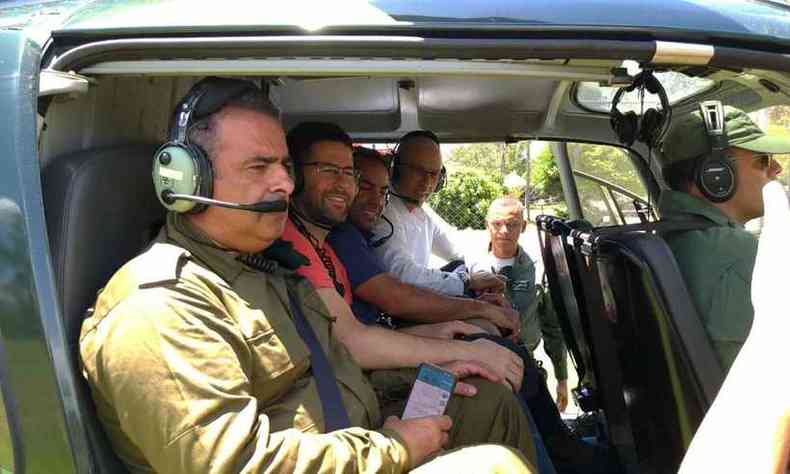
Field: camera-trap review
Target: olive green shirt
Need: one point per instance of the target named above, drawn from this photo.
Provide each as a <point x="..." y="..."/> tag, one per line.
<point x="717" y="265"/>
<point x="537" y="320"/>
<point x="196" y="366"/>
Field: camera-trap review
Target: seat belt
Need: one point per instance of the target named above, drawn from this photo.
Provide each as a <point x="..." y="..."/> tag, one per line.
<point x="335" y="415"/>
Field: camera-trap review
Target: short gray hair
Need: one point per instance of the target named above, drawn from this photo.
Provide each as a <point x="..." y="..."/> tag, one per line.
<point x="203" y="132"/>
<point x="505" y="201"/>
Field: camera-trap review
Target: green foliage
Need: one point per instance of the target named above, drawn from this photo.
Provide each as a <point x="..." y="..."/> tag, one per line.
<point x="492" y="159"/>
<point x="546" y="176"/>
<point x="465" y="199"/>
<point x="606" y="162"/>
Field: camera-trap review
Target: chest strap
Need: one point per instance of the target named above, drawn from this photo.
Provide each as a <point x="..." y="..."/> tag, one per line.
<point x="335" y="415"/>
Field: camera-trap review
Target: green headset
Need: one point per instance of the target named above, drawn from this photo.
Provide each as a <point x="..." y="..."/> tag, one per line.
<point x="714" y="174"/>
<point x="182" y="172"/>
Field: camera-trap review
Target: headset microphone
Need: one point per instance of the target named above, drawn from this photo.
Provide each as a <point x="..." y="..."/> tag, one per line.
<point x="280" y="205"/>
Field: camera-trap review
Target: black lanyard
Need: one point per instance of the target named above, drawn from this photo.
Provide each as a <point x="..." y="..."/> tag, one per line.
<point x="326" y="260"/>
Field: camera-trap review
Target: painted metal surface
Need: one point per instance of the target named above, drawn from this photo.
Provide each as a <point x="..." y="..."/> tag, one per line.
<point x="33" y="351"/>
<point x="757" y="18"/>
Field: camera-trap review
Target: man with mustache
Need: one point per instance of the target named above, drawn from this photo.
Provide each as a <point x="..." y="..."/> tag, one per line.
<point x="412" y="231"/>
<point x="207" y="353"/>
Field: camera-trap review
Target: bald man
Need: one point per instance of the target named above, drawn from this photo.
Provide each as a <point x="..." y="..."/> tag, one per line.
<point x="410" y="231"/>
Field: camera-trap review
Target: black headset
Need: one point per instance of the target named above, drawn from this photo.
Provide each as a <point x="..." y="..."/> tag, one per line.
<point x="714" y="174"/>
<point x="181" y="167"/>
<point x="395" y="162"/>
<point x="650" y="128"/>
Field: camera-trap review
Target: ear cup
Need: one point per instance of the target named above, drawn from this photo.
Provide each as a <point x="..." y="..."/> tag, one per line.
<point x="625" y="126"/>
<point x="175" y="170"/>
<point x="442" y="180"/>
<point x="394" y="169"/>
<point x="298" y="179"/>
<point x="205" y="176"/>
<point x="650" y="127"/>
<point x="716" y="179"/>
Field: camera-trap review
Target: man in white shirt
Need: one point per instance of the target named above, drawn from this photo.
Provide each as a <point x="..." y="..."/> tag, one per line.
<point x="410" y="231"/>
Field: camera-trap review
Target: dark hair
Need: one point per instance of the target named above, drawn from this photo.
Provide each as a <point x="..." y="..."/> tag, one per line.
<point x="307" y="134"/>
<point x="204" y="131"/>
<point x="365" y="153"/>
<point x="679" y="175"/>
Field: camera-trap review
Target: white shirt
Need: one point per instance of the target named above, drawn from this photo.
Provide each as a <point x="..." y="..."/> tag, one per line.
<point x="415" y="235"/>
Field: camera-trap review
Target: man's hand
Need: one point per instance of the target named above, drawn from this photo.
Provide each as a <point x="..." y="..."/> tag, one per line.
<point x="445" y="330"/>
<point x="505" y="363"/>
<point x="504" y="317"/>
<point x="463" y="369"/>
<point x="562" y="395"/>
<point x="423" y="436"/>
<point x="487" y="281"/>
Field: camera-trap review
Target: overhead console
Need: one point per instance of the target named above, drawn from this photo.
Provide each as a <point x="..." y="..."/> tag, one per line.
<point x="360" y="104"/>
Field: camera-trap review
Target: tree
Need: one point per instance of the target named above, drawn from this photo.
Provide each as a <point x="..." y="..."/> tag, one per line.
<point x="606" y="162"/>
<point x="492" y="159"/>
<point x="546" y="176"/>
<point x="465" y="199"/>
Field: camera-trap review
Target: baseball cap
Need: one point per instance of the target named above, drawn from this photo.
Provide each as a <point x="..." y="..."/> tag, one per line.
<point x="688" y="139"/>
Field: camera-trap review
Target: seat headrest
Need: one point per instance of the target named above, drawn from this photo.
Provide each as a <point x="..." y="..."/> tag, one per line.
<point x="101" y="211"/>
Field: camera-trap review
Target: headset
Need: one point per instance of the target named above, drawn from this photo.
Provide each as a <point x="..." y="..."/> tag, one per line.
<point x="395" y="162"/>
<point x="651" y="127"/>
<point x="182" y="172"/>
<point x="714" y="174"/>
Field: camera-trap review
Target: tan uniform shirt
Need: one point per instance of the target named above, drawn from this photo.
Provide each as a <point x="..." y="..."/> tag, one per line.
<point x="196" y="366"/>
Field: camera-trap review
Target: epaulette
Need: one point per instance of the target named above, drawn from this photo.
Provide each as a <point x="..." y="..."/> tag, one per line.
<point x="160" y="263"/>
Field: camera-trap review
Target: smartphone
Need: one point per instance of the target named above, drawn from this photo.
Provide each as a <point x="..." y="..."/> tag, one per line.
<point x="430" y="393"/>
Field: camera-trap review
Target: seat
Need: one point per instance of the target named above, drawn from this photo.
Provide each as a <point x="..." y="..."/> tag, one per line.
<point x="654" y="369"/>
<point x="101" y="210"/>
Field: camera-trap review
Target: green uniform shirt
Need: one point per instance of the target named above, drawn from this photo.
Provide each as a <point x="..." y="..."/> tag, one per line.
<point x="536" y="322"/>
<point x="195" y="366"/>
<point x="717" y="265"/>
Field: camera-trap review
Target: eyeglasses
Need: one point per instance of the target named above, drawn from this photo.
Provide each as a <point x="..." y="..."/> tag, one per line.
<point x="329" y="170"/>
<point x="509" y="225"/>
<point x="433" y="175"/>
<point x="766" y="160"/>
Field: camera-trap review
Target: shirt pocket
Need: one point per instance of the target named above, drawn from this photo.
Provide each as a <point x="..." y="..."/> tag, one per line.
<point x="280" y="359"/>
<point x="522" y="294"/>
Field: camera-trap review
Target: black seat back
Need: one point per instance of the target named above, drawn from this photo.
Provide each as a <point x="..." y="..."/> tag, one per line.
<point x="594" y="344"/>
<point x="101" y="211"/>
<point x="653" y="358"/>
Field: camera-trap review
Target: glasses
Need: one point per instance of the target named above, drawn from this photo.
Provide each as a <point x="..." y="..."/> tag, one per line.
<point x="433" y="175"/>
<point x="766" y="160"/>
<point x="509" y="225"/>
<point x="328" y="170"/>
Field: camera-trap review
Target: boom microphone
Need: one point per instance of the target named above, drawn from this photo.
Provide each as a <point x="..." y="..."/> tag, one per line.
<point x="280" y="205"/>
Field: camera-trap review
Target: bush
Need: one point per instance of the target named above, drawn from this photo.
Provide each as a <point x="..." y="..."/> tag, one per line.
<point x="465" y="199"/>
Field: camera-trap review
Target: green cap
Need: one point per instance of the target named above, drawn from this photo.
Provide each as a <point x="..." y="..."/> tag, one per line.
<point x="687" y="138"/>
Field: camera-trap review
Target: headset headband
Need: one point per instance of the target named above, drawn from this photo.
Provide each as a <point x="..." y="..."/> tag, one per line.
<point x="206" y="98"/>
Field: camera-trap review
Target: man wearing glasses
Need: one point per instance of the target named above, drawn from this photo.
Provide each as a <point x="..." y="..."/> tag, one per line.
<point x="411" y="231"/>
<point x="717" y="262"/>
<point x="324" y="189"/>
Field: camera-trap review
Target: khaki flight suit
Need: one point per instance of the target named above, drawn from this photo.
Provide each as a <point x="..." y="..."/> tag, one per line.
<point x="195" y="366"/>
